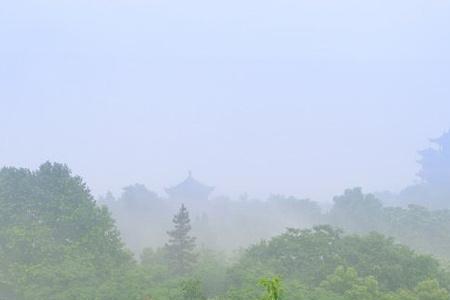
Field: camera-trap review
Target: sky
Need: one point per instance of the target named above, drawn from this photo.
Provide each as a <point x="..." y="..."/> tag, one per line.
<point x="302" y="98"/>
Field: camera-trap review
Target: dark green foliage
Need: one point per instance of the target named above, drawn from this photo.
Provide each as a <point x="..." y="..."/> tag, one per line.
<point x="179" y="249"/>
<point x="55" y="243"/>
<point x="273" y="288"/>
<point x="310" y="256"/>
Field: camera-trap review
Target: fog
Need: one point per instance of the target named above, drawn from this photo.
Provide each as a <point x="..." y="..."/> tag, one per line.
<point x="193" y="150"/>
<point x="227" y="224"/>
<point x="295" y="98"/>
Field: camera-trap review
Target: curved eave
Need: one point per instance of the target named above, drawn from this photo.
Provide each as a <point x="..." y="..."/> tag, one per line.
<point x="182" y="189"/>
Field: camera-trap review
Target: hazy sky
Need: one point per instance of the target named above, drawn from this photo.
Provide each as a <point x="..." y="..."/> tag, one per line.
<point x="303" y="98"/>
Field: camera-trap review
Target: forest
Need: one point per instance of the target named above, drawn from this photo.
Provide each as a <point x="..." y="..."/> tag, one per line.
<point x="58" y="242"/>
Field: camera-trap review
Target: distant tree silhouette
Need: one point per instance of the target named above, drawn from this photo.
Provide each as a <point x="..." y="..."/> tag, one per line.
<point x="180" y="248"/>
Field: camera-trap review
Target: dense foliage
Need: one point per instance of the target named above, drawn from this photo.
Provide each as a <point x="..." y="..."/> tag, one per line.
<point x="415" y="226"/>
<point x="313" y="256"/>
<point x="57" y="243"/>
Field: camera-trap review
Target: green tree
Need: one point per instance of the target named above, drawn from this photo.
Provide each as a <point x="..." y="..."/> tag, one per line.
<point x="345" y="281"/>
<point x="273" y="288"/>
<point x="431" y="290"/>
<point x="191" y="289"/>
<point x="311" y="255"/>
<point x="55" y="242"/>
<point x="180" y="248"/>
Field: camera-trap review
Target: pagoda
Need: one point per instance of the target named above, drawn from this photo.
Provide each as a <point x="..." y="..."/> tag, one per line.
<point x="190" y="192"/>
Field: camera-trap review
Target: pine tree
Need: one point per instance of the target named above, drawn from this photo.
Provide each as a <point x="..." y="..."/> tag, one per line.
<point x="180" y="248"/>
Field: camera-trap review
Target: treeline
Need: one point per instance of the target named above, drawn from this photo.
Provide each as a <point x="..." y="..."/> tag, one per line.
<point x="427" y="231"/>
<point x="220" y="223"/>
<point x="226" y="225"/>
<point x="322" y="263"/>
<point x="418" y="217"/>
<point x="56" y="243"/>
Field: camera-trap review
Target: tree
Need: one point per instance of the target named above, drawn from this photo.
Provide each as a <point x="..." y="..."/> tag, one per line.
<point x="273" y="288"/>
<point x="55" y="242"/>
<point x="345" y="281"/>
<point x="418" y="227"/>
<point x="356" y="211"/>
<point x="181" y="245"/>
<point x="191" y="289"/>
<point x="142" y="217"/>
<point x="311" y="255"/>
<point x="431" y="290"/>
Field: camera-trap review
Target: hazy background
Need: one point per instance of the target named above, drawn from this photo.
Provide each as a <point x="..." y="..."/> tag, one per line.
<point x="296" y="97"/>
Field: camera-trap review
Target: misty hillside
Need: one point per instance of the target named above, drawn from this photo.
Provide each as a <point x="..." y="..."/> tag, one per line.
<point x="58" y="243"/>
<point x="421" y="221"/>
<point x="224" y="150"/>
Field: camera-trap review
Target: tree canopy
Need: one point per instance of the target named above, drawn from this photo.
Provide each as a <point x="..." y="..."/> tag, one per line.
<point x="55" y="243"/>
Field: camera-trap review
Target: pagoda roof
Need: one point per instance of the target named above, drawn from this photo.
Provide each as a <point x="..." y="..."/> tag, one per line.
<point x="189" y="185"/>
